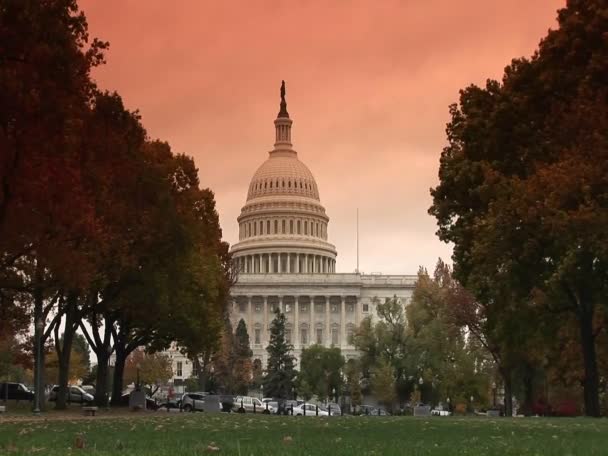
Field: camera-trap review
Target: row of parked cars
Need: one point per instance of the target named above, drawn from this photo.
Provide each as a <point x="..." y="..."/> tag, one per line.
<point x="195" y="401"/>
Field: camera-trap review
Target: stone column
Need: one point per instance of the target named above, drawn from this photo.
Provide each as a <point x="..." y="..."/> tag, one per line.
<point x="279" y="267"/>
<point x="327" y="326"/>
<point x="249" y="312"/>
<point x="288" y="263"/>
<point x="312" y="336"/>
<point x="297" y="263"/>
<point x="281" y="308"/>
<point x="357" y="311"/>
<point x="296" y="322"/>
<point x="265" y="337"/>
<point x="343" y="341"/>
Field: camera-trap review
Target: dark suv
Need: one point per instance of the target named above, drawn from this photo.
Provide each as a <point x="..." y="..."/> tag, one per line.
<point x="15" y="392"/>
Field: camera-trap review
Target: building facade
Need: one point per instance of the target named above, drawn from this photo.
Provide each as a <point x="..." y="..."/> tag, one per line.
<point x="285" y="260"/>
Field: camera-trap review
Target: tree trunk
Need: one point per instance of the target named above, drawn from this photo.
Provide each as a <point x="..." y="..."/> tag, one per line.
<point x="39" y="325"/>
<point x="591" y="380"/>
<point x="64" y="370"/>
<point x="101" y="385"/>
<point x="64" y="353"/>
<point x="119" y="371"/>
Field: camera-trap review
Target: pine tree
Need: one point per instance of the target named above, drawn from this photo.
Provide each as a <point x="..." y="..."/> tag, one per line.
<point x="243" y="368"/>
<point x="280" y="371"/>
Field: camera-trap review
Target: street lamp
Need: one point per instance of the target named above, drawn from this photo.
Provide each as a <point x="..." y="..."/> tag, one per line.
<point x="448" y="401"/>
<point x="333" y="394"/>
<point x="420" y="383"/>
<point x="39" y="327"/>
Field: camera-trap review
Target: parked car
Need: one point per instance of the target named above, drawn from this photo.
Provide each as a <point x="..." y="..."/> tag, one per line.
<point x="75" y="394"/>
<point x="309" y="410"/>
<point x="334" y="408"/>
<point x="440" y="412"/>
<point x="15" y="392"/>
<point x="370" y="410"/>
<point x="193" y="402"/>
<point x="150" y="403"/>
<point x="245" y="404"/>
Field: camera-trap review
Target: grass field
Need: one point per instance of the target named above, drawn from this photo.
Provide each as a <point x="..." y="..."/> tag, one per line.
<point x="198" y="434"/>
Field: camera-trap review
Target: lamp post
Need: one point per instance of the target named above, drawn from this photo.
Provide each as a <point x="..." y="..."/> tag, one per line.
<point x="494" y="393"/>
<point x="449" y="408"/>
<point x="420" y="383"/>
<point x="472" y="409"/>
<point x="38" y="328"/>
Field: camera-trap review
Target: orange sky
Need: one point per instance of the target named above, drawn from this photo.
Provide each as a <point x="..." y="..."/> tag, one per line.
<point x="368" y="88"/>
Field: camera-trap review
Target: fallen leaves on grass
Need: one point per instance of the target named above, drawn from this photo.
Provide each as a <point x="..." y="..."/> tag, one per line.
<point x="80" y="442"/>
<point x="287" y="439"/>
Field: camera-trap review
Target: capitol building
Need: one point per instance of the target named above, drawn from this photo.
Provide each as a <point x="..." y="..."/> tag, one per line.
<point x="285" y="260"/>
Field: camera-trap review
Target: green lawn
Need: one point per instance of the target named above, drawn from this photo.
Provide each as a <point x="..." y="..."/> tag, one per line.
<point x="198" y="434"/>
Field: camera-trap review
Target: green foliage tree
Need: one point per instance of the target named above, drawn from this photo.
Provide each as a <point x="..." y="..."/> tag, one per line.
<point x="523" y="185"/>
<point x="243" y="366"/>
<point x="353" y="381"/>
<point x="387" y="340"/>
<point x="383" y="383"/>
<point x="279" y="380"/>
<point x="321" y="371"/>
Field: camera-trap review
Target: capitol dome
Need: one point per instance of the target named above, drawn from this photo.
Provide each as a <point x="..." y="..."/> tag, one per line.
<point x="283" y="226"/>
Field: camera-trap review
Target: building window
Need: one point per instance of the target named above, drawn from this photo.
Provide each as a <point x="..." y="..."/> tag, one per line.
<point x="179" y="369"/>
<point x="283" y="227"/>
<point x="365" y="307"/>
<point x="335" y="334"/>
<point x="258" y="307"/>
<point x="255" y="229"/>
<point x="334" y="308"/>
<point x="349" y="335"/>
<point x="258" y="336"/>
<point x="243" y="307"/>
<point x="303" y="307"/>
<point x="291" y="227"/>
<point x="305" y="227"/>
<point x="299" y="231"/>
<point x="287" y="308"/>
<point x="351" y="307"/>
<point x="319" y="336"/>
<point x="288" y="336"/>
<point x="276" y="226"/>
<point x="261" y="227"/>
<point x="304" y="336"/>
<point x="319" y="308"/>
<point x="267" y="226"/>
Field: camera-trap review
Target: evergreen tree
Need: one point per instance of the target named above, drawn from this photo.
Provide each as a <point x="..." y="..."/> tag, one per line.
<point x="243" y="368"/>
<point x="280" y="371"/>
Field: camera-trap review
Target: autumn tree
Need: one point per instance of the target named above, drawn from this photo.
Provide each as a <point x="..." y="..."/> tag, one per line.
<point x="151" y="369"/>
<point x="522" y="191"/>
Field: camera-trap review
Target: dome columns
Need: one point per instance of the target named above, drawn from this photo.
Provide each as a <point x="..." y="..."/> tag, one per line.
<point x="285" y="263"/>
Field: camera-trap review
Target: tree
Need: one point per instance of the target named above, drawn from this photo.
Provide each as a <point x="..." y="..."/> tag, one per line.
<point x="449" y="363"/>
<point x="154" y="369"/>
<point x="383" y="384"/>
<point x="280" y="372"/>
<point x="353" y="381"/>
<point x="243" y="367"/>
<point x="522" y="191"/>
<point x="387" y="340"/>
<point x="321" y="371"/>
